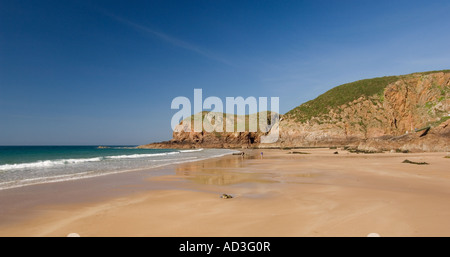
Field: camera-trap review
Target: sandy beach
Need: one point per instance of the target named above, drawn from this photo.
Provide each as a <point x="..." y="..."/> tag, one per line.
<point x="312" y="193"/>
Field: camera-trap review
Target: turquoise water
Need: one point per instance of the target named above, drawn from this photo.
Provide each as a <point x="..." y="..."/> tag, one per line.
<point x="30" y="154"/>
<point x="28" y="165"/>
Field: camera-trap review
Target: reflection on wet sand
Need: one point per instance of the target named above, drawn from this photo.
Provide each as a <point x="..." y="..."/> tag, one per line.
<point x="228" y="162"/>
<point x="224" y="171"/>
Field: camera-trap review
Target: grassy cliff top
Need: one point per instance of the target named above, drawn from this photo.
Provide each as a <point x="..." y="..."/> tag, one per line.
<point x="344" y="94"/>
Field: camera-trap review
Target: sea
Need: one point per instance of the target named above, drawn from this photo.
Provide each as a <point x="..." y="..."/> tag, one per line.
<point x="29" y="165"/>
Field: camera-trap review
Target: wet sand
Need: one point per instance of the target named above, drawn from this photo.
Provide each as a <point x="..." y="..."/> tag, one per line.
<point x="315" y="194"/>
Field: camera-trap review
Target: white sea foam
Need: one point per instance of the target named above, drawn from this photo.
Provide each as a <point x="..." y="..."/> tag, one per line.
<point x="94" y="173"/>
<point x="47" y="163"/>
<point x="190" y="151"/>
<point x="133" y="156"/>
<point x="52" y="163"/>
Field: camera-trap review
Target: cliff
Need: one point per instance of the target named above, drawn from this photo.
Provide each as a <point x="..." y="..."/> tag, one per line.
<point x="381" y="108"/>
<point x="373" y="114"/>
<point x="191" y="139"/>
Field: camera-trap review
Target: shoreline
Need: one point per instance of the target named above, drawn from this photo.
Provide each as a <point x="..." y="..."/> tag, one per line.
<point x="18" y="202"/>
<point x="92" y="174"/>
<point x="315" y="194"/>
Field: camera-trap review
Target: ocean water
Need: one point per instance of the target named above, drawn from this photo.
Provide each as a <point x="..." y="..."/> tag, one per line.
<point x="28" y="165"/>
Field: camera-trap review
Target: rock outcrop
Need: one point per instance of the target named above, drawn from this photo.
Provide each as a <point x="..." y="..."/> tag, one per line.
<point x="386" y="118"/>
<point x="209" y="140"/>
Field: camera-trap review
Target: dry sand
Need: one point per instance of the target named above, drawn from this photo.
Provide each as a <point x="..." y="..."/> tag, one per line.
<point x="315" y="194"/>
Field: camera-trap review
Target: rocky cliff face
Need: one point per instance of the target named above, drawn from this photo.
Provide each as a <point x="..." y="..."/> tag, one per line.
<point x="185" y="137"/>
<point x="412" y="102"/>
<point x="387" y="119"/>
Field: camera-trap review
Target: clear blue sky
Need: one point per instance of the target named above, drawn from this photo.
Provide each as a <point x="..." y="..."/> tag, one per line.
<point x="105" y="72"/>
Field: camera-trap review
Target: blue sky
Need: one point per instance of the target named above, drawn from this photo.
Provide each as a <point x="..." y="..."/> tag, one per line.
<point x="105" y="72"/>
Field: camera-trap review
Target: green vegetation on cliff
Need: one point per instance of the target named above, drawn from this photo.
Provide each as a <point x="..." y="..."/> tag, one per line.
<point x="344" y="94"/>
<point x="338" y="96"/>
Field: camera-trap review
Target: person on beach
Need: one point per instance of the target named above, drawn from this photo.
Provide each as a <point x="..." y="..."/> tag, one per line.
<point x="261" y="155"/>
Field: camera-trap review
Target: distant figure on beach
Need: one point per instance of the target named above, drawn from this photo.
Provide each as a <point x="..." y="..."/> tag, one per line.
<point x="242" y="155"/>
<point x="261" y="155"/>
